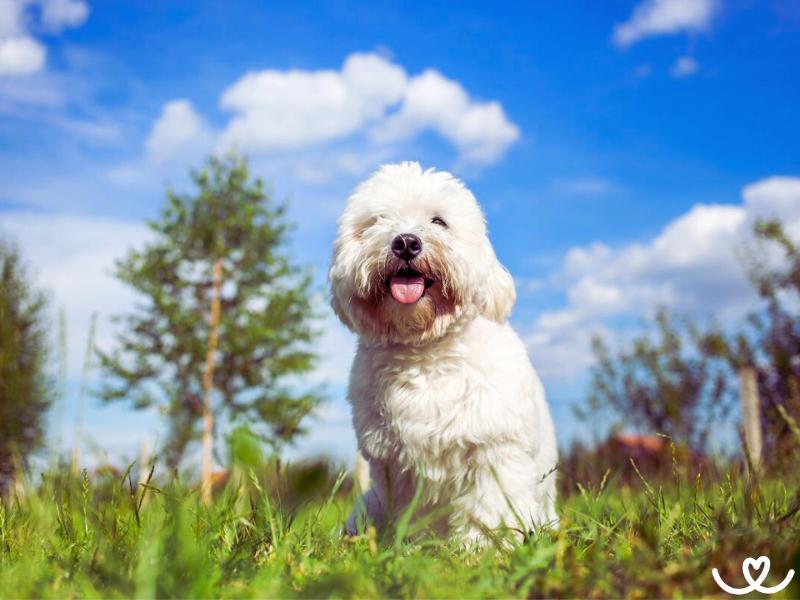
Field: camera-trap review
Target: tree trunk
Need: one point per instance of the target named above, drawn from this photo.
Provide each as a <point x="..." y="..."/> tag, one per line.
<point x="208" y="382"/>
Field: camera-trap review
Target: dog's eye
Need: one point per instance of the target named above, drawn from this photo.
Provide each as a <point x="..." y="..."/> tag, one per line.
<point x="439" y="221"/>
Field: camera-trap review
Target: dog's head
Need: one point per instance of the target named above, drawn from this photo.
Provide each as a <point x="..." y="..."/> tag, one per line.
<point x="412" y="257"/>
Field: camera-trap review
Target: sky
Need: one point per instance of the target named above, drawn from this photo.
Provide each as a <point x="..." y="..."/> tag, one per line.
<point x="621" y="151"/>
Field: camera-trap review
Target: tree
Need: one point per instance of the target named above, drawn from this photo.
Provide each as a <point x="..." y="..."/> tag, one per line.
<point x="686" y="380"/>
<point x="666" y="382"/>
<point x="769" y="341"/>
<point x="227" y="318"/>
<point x="24" y="390"/>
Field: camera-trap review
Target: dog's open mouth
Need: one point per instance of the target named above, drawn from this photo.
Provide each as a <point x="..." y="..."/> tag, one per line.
<point x="408" y="285"/>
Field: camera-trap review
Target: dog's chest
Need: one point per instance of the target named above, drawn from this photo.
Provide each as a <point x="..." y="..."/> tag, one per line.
<point x="427" y="411"/>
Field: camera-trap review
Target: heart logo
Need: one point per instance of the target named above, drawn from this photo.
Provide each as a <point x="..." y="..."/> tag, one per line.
<point x="760" y="566"/>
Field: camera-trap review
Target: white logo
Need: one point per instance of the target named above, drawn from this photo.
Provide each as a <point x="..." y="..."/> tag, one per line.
<point x="759" y="564"/>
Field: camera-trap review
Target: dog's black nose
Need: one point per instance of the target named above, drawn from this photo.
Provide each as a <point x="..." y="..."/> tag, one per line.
<point x="406" y="246"/>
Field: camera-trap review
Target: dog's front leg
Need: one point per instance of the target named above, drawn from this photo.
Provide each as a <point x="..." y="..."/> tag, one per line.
<point x="368" y="510"/>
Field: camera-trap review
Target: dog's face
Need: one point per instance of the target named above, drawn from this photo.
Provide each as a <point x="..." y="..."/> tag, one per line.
<point x="412" y="257"/>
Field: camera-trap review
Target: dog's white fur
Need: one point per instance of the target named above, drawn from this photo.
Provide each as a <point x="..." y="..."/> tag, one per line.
<point x="443" y="393"/>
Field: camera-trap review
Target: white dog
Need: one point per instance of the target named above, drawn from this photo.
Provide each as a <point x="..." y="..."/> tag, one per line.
<point x="442" y="391"/>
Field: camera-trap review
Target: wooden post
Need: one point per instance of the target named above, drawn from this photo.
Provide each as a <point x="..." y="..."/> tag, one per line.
<point x="208" y="382"/>
<point x="751" y="415"/>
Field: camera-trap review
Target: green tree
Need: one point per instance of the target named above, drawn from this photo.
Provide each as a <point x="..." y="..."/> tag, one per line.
<point x="222" y="302"/>
<point x="685" y="380"/>
<point x="24" y="390"/>
<point x="665" y="382"/>
<point x="769" y="341"/>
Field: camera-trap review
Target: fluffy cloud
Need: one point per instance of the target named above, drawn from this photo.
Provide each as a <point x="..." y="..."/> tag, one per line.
<point x="480" y="130"/>
<point x="652" y="18"/>
<point x="59" y="14"/>
<point x="370" y="99"/>
<point x="692" y="266"/>
<point x="775" y="196"/>
<point x="276" y="110"/>
<point x="20" y="52"/>
<point x="178" y="132"/>
<point x="21" y="55"/>
<point x="11" y="17"/>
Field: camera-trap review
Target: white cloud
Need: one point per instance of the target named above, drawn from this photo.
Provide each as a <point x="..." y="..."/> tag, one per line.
<point x="480" y="130"/>
<point x="684" y="66"/>
<point x="21" y="55"/>
<point x="11" y="17"/>
<point x="20" y="52"/>
<point x="774" y="196"/>
<point x="652" y="18"/>
<point x="178" y="132"/>
<point x="59" y="14"/>
<point x="691" y="266"/>
<point x="371" y="104"/>
<point x="278" y="110"/>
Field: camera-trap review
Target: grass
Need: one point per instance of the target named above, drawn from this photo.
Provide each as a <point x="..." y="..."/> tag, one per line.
<point x="279" y="535"/>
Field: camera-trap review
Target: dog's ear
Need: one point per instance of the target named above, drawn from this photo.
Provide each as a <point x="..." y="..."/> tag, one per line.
<point x="339" y="290"/>
<point x="340" y="312"/>
<point x="498" y="293"/>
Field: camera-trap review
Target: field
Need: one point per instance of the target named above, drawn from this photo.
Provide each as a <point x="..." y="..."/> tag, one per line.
<point x="278" y="534"/>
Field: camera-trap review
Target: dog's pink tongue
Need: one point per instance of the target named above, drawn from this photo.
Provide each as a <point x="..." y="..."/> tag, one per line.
<point x="407" y="290"/>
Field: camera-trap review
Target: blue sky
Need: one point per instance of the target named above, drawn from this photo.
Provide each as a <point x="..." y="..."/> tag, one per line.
<point x="620" y="149"/>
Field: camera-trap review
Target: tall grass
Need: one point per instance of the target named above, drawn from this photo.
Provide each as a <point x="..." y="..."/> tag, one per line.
<point x="276" y="532"/>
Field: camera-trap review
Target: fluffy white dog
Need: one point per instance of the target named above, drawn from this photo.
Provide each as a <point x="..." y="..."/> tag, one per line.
<point x="442" y="391"/>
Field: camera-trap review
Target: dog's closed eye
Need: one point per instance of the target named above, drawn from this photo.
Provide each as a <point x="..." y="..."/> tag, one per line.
<point x="439" y="221"/>
<point x="364" y="225"/>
